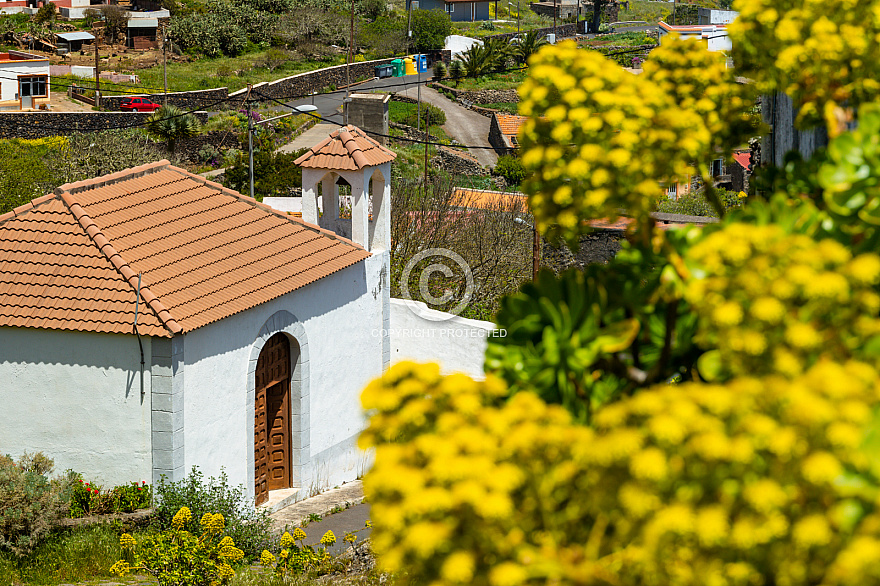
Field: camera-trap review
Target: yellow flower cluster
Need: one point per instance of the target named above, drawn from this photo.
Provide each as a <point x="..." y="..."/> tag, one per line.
<point x="756" y="481"/>
<point x="328" y="538"/>
<point x="287" y="541"/>
<point x="127" y="541"/>
<point x="120" y="568"/>
<point x="299" y="534"/>
<point x="600" y="139"/>
<point x="823" y="54"/>
<point x="266" y="558"/>
<point x="773" y="302"/>
<point x="181" y="518"/>
<point x="212" y="523"/>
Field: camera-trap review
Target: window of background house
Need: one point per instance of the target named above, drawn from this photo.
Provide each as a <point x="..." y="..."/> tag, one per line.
<point x="33" y="86"/>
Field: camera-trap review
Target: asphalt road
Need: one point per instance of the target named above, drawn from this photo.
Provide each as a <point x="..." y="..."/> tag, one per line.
<point x="330" y="105"/>
<point x="350" y="520"/>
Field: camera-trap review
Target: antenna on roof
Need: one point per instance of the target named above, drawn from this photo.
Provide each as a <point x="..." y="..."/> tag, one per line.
<point x="137" y="302"/>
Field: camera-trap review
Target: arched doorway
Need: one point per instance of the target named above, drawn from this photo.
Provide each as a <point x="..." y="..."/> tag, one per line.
<point x="272" y="455"/>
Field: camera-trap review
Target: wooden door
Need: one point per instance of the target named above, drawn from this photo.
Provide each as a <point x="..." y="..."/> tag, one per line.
<point x="272" y="418"/>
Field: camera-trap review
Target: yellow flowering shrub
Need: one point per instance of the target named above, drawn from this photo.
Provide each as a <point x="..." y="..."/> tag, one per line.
<point x="774" y="302"/>
<point x="759" y="481"/>
<point x="296" y="559"/>
<point x="177" y="557"/>
<point x="823" y="54"/>
<point x="600" y="139"/>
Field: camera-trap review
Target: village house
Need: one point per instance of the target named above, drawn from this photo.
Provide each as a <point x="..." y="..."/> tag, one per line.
<point x="24" y="80"/>
<point x="152" y="321"/>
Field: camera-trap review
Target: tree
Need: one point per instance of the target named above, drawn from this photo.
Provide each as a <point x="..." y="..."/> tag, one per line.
<point x="579" y="460"/>
<point x="170" y="123"/>
<point x="598" y="8"/>
<point x="274" y="172"/>
<point x="46" y="15"/>
<point x="430" y="29"/>
<point x="115" y="20"/>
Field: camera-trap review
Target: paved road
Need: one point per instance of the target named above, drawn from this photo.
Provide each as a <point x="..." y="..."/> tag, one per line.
<point x="330" y="105"/>
<point x="349" y="520"/>
<point x="465" y="126"/>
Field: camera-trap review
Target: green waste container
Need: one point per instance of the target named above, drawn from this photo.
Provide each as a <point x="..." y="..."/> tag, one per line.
<point x="397" y="64"/>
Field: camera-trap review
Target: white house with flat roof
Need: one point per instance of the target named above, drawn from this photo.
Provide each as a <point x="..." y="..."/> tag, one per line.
<point x="24" y="80"/>
<point x="714" y="35"/>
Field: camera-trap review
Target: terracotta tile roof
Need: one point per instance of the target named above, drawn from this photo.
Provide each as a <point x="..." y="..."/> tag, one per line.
<point x="510" y="123"/>
<point x="346" y="149"/>
<point x="743" y="159"/>
<point x="70" y="260"/>
<point x="485" y="199"/>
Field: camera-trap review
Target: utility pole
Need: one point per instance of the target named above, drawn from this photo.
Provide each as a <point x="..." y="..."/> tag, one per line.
<point x="164" y="67"/>
<point x="427" y="126"/>
<point x="517" y="16"/>
<point x="348" y="67"/>
<point x="250" y="141"/>
<point x="556" y="32"/>
<point x="97" y="77"/>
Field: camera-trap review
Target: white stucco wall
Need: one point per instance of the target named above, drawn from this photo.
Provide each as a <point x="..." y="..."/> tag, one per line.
<point x="9" y="72"/>
<point x="425" y="335"/>
<point x="340" y="316"/>
<point x="76" y="397"/>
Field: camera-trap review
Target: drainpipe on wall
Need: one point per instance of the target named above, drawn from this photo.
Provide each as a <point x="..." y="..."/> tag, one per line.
<point x="137" y="301"/>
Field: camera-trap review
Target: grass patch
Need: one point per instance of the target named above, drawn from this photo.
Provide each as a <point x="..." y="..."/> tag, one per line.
<point x="201" y="74"/>
<point x="650" y="12"/>
<point x="509" y="80"/>
<point x="74" y="555"/>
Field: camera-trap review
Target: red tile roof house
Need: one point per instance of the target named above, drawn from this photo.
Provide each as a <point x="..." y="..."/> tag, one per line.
<point x="255" y="334"/>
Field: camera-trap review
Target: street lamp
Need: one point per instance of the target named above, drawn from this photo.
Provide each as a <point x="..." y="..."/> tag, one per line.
<point x="296" y="110"/>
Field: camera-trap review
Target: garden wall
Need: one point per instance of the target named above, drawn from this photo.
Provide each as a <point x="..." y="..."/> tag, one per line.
<point x="303" y="84"/>
<point x="479" y="96"/>
<point x="45" y="124"/>
<point x="201" y="99"/>
<point x="562" y="31"/>
<point x="426" y="335"/>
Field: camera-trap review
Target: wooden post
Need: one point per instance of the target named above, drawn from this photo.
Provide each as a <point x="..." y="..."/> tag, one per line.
<point x="97" y="77"/>
<point x="427" y="126"/>
<point x="164" y="66"/>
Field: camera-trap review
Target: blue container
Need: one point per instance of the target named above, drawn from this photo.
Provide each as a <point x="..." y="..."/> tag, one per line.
<point x="421" y="63"/>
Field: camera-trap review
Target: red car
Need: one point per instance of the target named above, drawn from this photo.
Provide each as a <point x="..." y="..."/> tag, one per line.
<point x="139" y="105"/>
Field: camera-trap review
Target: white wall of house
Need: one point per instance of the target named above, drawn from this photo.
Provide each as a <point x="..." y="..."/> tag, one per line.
<point x="425" y="335"/>
<point x="76" y="397"/>
<point x="11" y="70"/>
<point x="341" y="316"/>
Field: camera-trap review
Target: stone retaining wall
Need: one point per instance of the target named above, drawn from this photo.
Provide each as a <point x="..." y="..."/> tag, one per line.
<point x="479" y="96"/>
<point x="599" y="246"/>
<point x="304" y="84"/>
<point x="562" y="31"/>
<point x="44" y="124"/>
<point x="201" y="99"/>
<point x="457" y="162"/>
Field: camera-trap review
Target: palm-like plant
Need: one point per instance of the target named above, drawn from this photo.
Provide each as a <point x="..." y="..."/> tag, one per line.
<point x="500" y="51"/>
<point x="170" y="123"/>
<point x="477" y="60"/>
<point x="528" y="45"/>
<point x="456" y="70"/>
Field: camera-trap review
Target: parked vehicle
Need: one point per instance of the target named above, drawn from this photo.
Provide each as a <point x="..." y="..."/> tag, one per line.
<point x="139" y="105"/>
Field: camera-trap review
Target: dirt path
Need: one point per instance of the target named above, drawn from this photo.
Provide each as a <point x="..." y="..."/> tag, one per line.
<point x="465" y="126"/>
